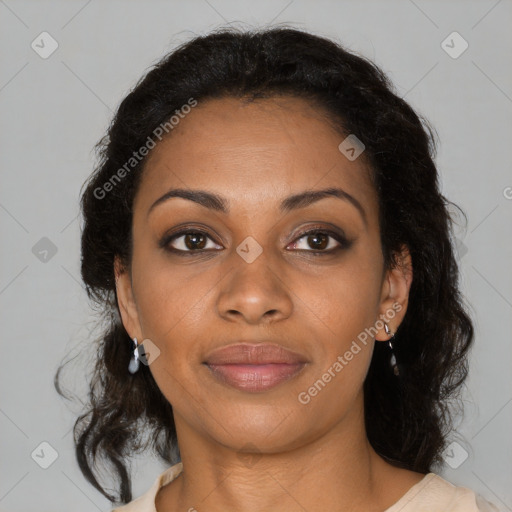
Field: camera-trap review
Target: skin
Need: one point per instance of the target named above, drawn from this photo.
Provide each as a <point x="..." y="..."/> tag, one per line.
<point x="263" y="451"/>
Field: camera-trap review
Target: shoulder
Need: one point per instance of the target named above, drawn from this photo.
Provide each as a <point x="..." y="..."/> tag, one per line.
<point x="435" y="494"/>
<point x="146" y="502"/>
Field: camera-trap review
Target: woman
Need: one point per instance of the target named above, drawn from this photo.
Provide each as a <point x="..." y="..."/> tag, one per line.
<point x="267" y="239"/>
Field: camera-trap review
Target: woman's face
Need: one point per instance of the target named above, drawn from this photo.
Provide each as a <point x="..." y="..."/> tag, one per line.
<point x="252" y="276"/>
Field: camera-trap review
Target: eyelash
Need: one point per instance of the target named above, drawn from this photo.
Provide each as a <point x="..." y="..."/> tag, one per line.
<point x="341" y="239"/>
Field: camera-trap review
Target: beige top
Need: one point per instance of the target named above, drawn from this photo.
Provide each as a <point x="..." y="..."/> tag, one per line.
<point x="431" y="494"/>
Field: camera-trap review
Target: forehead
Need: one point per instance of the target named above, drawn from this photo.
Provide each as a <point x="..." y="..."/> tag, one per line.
<point x="254" y="152"/>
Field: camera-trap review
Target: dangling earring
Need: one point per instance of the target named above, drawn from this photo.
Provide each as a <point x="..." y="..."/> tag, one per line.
<point x="133" y="366"/>
<point x="390" y="343"/>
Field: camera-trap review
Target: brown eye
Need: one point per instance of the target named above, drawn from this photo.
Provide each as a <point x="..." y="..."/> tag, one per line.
<point x="189" y="241"/>
<point x="320" y="241"/>
<point x="195" y="241"/>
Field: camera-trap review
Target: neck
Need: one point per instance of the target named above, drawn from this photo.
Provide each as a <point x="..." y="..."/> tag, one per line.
<point x="337" y="471"/>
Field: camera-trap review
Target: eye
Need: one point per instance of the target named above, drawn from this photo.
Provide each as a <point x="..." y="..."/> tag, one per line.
<point x="320" y="241"/>
<point x="189" y="241"/>
<point x="316" y="241"/>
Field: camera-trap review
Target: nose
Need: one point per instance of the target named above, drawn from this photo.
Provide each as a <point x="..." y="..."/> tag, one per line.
<point x="254" y="293"/>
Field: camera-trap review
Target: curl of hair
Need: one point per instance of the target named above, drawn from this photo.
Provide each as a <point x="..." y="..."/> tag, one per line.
<point x="407" y="418"/>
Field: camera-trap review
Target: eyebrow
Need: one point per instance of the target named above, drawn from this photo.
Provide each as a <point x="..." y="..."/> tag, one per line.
<point x="294" y="202"/>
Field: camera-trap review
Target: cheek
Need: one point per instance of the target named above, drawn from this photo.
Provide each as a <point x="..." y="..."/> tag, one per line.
<point x="169" y="296"/>
<point x="171" y="312"/>
<point x="342" y="319"/>
<point x="175" y="307"/>
<point x="345" y="300"/>
<point x="341" y="311"/>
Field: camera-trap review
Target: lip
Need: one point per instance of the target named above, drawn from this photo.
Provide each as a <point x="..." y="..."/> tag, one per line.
<point x="253" y="353"/>
<point x="254" y="367"/>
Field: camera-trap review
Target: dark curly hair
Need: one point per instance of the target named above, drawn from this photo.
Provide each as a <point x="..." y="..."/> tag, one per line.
<point x="408" y="417"/>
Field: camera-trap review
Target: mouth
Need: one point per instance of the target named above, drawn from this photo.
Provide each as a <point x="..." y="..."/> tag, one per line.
<point x="254" y="367"/>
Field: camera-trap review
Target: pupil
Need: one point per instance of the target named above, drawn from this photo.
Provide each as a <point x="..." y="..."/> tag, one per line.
<point x="319" y="240"/>
<point x="191" y="241"/>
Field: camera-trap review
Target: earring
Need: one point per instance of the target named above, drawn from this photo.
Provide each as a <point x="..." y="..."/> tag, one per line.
<point x="390" y="343"/>
<point x="133" y="366"/>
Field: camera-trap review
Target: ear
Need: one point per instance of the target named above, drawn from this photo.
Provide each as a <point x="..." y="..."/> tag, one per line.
<point x="395" y="293"/>
<point x="126" y="301"/>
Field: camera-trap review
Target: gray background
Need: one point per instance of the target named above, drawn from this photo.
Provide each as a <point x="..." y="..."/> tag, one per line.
<point x="54" y="110"/>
